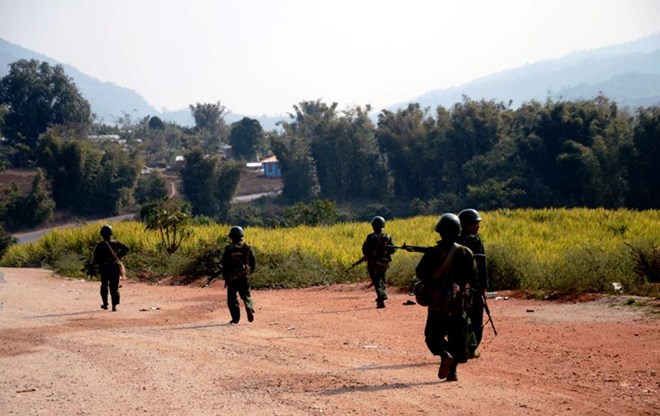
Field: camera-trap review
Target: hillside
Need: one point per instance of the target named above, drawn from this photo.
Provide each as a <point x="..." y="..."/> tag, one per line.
<point x="628" y="73"/>
<point x="108" y="101"/>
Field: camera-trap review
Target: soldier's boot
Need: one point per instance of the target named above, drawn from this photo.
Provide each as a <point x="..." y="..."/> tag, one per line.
<point x="446" y="362"/>
<point x="452" y="373"/>
<point x="380" y="304"/>
<point x="104" y="306"/>
<point x="114" y="308"/>
<point x="250" y="314"/>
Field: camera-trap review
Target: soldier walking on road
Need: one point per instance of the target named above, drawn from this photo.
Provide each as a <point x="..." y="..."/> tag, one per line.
<point x="446" y="270"/>
<point x="238" y="263"/>
<point x="378" y="255"/>
<point x="107" y="257"/>
<point x="470" y="222"/>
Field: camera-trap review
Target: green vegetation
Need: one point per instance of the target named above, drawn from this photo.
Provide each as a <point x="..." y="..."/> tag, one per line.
<point x="549" y="251"/>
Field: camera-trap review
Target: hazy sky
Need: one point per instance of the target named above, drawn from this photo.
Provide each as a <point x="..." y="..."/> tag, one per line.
<point x="263" y="56"/>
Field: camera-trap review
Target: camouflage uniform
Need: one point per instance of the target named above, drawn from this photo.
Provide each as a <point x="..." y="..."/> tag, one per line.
<point x="237" y="263"/>
<point x="473" y="242"/>
<point x="378" y="261"/>
<point x="447" y="323"/>
<point x="109" y="269"/>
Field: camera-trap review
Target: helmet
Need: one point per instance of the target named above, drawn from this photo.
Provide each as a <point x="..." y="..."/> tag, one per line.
<point x="469" y="216"/>
<point x="106" y="231"/>
<point x="448" y="226"/>
<point x="378" y="222"/>
<point x="236" y="231"/>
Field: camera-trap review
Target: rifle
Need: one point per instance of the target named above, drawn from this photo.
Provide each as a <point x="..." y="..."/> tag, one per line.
<point x="490" y="318"/>
<point x="362" y="260"/>
<point x="213" y="277"/>
<point x="412" y="249"/>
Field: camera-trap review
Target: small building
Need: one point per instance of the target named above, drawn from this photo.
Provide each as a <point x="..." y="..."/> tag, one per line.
<point x="271" y="167"/>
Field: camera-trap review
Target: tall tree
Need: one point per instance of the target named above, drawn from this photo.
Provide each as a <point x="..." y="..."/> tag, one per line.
<point x="209" y="184"/>
<point x="210" y="124"/>
<point x="86" y="179"/>
<point x="244" y="138"/>
<point x="35" y="96"/>
<point x="643" y="163"/>
<point x="404" y="137"/>
<point x="298" y="167"/>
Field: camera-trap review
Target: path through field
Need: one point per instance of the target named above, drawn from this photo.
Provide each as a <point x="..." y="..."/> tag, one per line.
<point x="170" y="351"/>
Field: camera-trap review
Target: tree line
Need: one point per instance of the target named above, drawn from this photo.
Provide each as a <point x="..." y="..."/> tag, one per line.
<point x="479" y="153"/>
<point x="586" y="153"/>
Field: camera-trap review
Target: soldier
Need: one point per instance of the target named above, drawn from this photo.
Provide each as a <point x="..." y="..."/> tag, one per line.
<point x="238" y="263"/>
<point x="107" y="257"/>
<point x="378" y="257"/>
<point x="446" y="270"/>
<point x="470" y="222"/>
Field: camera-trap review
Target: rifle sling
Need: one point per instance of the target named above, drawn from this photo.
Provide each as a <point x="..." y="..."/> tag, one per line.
<point x="445" y="265"/>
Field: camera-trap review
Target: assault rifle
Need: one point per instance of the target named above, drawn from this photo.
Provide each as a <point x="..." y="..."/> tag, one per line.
<point x="213" y="277"/>
<point x="490" y="318"/>
<point x="412" y="249"/>
<point x="362" y="260"/>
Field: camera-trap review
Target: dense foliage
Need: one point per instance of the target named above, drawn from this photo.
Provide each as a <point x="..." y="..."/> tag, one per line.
<point x="35" y="96"/>
<point x="545" y="252"/>
<point x="479" y="153"/>
<point x="336" y="164"/>
<point x="30" y="210"/>
<point x="244" y="138"/>
<point x="86" y="179"/>
<point x="209" y="184"/>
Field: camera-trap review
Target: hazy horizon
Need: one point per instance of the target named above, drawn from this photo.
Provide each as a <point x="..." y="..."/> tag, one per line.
<point x="261" y="57"/>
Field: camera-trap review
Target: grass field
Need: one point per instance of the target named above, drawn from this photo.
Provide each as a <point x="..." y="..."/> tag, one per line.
<point x="540" y="251"/>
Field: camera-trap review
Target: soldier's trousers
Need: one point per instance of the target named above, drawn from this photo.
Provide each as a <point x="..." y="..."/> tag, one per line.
<point x="446" y="333"/>
<point x="239" y="287"/>
<point x="378" y="280"/>
<point x="477" y="318"/>
<point x="110" y="281"/>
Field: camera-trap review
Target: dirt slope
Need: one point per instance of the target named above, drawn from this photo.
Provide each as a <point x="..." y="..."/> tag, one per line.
<point x="312" y="351"/>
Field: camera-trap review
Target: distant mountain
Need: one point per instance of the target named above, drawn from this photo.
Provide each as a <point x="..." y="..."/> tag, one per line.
<point x="110" y="101"/>
<point x="628" y="73"/>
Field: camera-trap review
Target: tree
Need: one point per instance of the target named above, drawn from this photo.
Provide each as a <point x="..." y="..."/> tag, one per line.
<point x="36" y="96"/>
<point x="298" y="167"/>
<point x="643" y="165"/>
<point x="27" y="211"/>
<point x="244" y="138"/>
<point x="87" y="179"/>
<point x="155" y="123"/>
<point x="171" y="218"/>
<point x="150" y="188"/>
<point x="210" y="124"/>
<point x="404" y="138"/>
<point x="209" y="184"/>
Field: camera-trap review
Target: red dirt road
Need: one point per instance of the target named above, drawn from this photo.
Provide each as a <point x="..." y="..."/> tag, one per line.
<point x="312" y="351"/>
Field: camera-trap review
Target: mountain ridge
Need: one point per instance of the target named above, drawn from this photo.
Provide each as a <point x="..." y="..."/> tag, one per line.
<point x="628" y="73"/>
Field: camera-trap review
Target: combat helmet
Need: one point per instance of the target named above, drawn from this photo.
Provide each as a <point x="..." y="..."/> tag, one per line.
<point x="469" y="216"/>
<point x="448" y="226"/>
<point x="236" y="232"/>
<point x="378" y="222"/>
<point x="106" y="231"/>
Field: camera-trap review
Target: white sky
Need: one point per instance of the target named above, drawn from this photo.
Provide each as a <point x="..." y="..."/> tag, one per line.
<point x="262" y="57"/>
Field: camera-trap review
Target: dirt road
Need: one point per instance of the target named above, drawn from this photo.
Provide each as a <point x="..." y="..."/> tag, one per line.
<point x="169" y="351"/>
